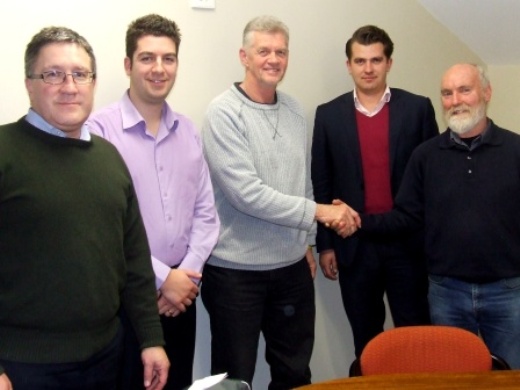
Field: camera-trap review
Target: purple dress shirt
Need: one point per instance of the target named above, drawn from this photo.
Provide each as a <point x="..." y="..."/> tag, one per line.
<point x="172" y="182"/>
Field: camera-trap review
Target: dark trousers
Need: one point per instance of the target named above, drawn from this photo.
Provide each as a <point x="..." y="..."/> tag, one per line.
<point x="97" y="373"/>
<point x="179" y="335"/>
<point x="279" y="303"/>
<point x="380" y="266"/>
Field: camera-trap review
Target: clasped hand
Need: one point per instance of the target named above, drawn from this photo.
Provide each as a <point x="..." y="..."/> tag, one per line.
<point x="340" y="217"/>
<point x="178" y="291"/>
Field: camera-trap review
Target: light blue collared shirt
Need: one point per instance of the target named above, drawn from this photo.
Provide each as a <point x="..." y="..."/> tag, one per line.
<point x="37" y="121"/>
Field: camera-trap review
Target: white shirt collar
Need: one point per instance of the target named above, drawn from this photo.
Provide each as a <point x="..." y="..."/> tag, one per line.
<point x="384" y="99"/>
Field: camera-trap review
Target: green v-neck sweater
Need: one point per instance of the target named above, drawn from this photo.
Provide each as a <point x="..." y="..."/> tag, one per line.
<point x="73" y="248"/>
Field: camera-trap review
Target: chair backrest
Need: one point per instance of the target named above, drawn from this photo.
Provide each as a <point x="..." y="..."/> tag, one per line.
<point x="415" y="349"/>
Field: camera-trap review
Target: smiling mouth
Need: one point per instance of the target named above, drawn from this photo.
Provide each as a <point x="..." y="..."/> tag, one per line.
<point x="459" y="112"/>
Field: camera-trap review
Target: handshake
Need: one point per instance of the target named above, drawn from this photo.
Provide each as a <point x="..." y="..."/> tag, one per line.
<point x="339" y="216"/>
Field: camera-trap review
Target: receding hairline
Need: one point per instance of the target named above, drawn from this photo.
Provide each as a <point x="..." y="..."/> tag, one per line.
<point x="478" y="69"/>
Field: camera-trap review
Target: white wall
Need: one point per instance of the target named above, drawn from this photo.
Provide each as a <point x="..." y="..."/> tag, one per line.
<point x="505" y="82"/>
<point x="209" y="64"/>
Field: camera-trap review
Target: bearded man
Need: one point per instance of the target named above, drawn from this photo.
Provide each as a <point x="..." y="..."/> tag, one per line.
<point x="463" y="188"/>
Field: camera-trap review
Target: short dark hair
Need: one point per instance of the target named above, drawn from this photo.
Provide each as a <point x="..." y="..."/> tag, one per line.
<point x="53" y="34"/>
<point x="152" y="24"/>
<point x="368" y="35"/>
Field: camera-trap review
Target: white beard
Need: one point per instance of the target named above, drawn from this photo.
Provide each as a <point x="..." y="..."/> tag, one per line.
<point x="467" y="120"/>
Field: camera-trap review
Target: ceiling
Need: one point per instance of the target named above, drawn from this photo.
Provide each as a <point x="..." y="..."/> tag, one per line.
<point x="491" y="28"/>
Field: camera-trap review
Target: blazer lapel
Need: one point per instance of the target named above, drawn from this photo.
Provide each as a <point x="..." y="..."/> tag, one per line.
<point x="349" y="134"/>
<point x="396" y="123"/>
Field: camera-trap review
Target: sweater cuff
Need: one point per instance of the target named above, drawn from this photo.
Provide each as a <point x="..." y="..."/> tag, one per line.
<point x="309" y="215"/>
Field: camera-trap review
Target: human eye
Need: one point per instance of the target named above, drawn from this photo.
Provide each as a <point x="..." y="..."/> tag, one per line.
<point x="281" y="53"/>
<point x="146" y="59"/>
<point x="262" y="52"/>
<point x="359" y="61"/>
<point x="377" y="60"/>
<point x="170" y="59"/>
<point x="82" y="75"/>
<point x="53" y="76"/>
<point x="465" y="90"/>
<point x="446" y="93"/>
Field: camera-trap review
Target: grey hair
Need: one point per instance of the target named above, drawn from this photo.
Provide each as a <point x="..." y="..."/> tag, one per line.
<point x="265" y="23"/>
<point x="484" y="79"/>
<point x="49" y="35"/>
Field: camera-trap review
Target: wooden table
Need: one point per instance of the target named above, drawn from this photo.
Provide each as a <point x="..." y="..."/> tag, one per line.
<point x="475" y="381"/>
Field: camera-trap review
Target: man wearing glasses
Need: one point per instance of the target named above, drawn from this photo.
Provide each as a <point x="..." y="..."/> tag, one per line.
<point x="73" y="248"/>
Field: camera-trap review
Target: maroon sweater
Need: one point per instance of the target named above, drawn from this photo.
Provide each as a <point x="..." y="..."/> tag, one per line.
<point x="375" y="159"/>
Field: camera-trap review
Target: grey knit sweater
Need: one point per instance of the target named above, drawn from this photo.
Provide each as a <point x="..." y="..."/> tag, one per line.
<point x="258" y="155"/>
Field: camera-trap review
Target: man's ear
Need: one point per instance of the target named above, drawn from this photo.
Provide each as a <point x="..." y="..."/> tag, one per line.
<point x="128" y="65"/>
<point x="29" y="88"/>
<point x="243" y="57"/>
<point x="487" y="93"/>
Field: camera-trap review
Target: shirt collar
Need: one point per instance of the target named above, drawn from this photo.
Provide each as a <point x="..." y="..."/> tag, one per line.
<point x="384" y="99"/>
<point x="37" y="121"/>
<point x="484" y="137"/>
<point x="132" y="119"/>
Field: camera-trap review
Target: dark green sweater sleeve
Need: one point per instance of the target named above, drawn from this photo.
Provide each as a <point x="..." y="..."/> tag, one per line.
<point x="139" y="293"/>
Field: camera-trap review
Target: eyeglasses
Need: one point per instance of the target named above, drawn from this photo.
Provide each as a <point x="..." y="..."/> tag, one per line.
<point x="56" y="77"/>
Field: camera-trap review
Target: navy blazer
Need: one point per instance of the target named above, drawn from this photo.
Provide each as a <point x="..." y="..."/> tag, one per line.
<point x="336" y="166"/>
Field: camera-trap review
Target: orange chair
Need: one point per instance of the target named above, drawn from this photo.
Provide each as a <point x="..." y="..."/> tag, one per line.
<point x="434" y="348"/>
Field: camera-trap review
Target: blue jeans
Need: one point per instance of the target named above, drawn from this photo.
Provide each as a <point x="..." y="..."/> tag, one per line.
<point x="279" y="303"/>
<point x="489" y="309"/>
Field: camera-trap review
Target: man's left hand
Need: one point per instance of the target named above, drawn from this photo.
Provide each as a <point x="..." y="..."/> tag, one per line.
<point x="309" y="255"/>
<point x="156" y="366"/>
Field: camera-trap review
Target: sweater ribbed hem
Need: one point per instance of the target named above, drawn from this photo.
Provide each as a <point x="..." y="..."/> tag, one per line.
<point x="31" y="346"/>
